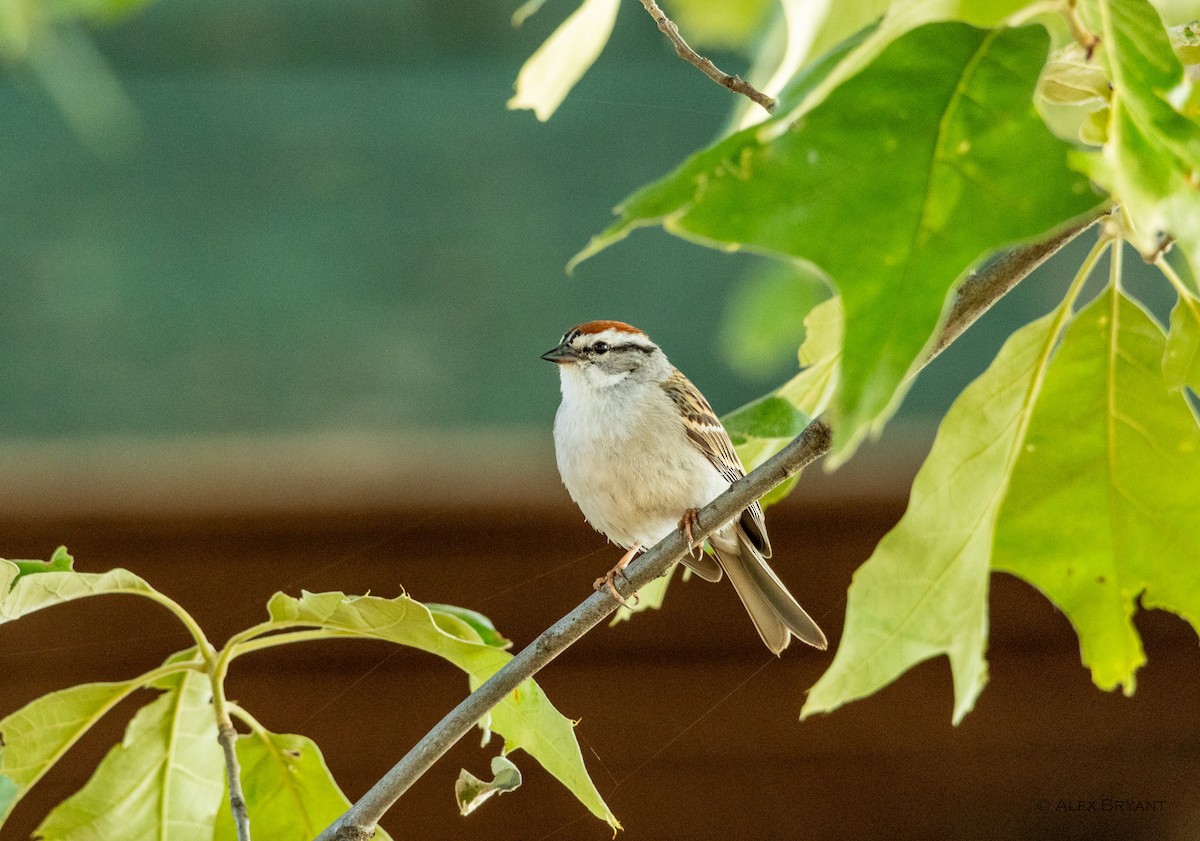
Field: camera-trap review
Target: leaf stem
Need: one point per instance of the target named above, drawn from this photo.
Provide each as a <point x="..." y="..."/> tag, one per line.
<point x="193" y="627"/>
<point x="250" y="721"/>
<point x="1181" y="288"/>
<point x="358" y="823"/>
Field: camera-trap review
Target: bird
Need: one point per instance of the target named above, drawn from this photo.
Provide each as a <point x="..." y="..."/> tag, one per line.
<point x="640" y="451"/>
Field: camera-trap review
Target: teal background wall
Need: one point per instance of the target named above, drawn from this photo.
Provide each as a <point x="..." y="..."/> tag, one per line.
<point x="323" y="216"/>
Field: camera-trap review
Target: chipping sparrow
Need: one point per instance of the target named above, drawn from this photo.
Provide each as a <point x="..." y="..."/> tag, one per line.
<point x="640" y="450"/>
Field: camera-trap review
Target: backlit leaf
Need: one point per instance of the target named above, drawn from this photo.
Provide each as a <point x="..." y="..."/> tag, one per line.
<point x="549" y="74"/>
<point x="37" y="735"/>
<point x="32" y="592"/>
<point x="1181" y="360"/>
<point x="1104" y="506"/>
<point x="163" y="781"/>
<point x="923" y="592"/>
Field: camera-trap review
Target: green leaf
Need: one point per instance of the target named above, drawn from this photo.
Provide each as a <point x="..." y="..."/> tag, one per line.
<point x="901" y="17"/>
<point x="526" y="718"/>
<point x="549" y="74"/>
<point x="472" y="792"/>
<point x="1181" y="360"/>
<point x="767" y="417"/>
<point x="163" y="781"/>
<point x="812" y="390"/>
<point x="1103" y="501"/>
<point x="809" y="392"/>
<point x="923" y="592"/>
<point x="60" y="561"/>
<point x="477" y="621"/>
<point x="919" y="150"/>
<point x="1151" y="160"/>
<point x="290" y="793"/>
<point x="46" y="588"/>
<point x="37" y="735"/>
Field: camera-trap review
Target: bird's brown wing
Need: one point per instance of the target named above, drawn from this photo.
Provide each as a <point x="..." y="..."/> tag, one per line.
<point x="705" y="431"/>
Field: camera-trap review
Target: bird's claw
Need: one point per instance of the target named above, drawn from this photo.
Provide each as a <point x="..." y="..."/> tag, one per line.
<point x="608" y="580"/>
<point x="690" y="518"/>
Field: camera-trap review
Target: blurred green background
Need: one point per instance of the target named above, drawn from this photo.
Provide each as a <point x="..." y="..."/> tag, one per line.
<point x="316" y="215"/>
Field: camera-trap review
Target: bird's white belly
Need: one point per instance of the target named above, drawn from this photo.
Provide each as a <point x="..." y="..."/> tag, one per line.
<point x="633" y="475"/>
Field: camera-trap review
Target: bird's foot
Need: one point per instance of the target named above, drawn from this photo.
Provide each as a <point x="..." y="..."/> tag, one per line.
<point x="608" y="580"/>
<point x="690" y="520"/>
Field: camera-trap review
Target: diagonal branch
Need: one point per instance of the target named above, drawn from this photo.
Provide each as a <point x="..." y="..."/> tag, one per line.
<point x="735" y="83"/>
<point x="975" y="295"/>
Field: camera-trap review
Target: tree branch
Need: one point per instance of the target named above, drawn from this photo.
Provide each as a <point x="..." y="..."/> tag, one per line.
<point x="227" y="736"/>
<point x="734" y="83"/>
<point x="985" y="287"/>
<point x="975" y="295"/>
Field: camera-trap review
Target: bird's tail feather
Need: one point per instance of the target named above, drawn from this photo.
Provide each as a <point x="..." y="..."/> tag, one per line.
<point x="776" y="614"/>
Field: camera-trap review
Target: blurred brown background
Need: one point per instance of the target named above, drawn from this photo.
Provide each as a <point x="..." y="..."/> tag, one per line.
<point x="689" y="727"/>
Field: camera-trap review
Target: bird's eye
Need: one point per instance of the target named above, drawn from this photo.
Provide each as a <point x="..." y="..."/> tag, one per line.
<point x="599" y="348"/>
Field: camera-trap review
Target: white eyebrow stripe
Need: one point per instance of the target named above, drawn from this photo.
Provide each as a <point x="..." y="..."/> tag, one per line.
<point x="615" y="338"/>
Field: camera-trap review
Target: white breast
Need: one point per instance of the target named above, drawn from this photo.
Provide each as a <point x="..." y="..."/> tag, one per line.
<point x="627" y="462"/>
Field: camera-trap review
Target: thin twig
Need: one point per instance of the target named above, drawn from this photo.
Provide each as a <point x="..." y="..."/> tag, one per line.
<point x="227" y="736"/>
<point x="976" y="295"/>
<point x="734" y="83"/>
<point x="983" y="288"/>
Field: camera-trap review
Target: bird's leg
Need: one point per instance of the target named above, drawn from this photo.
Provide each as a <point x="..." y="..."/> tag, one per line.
<point x="689" y="521"/>
<point x="609" y="578"/>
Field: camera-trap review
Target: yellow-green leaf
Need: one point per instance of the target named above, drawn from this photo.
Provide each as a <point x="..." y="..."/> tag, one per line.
<point x="1104" y="504"/>
<point x="36" y="736"/>
<point x="34" y="590"/>
<point x="1181" y="359"/>
<point x="163" y="781"/>
<point x="290" y="793"/>
<point x="923" y="592"/>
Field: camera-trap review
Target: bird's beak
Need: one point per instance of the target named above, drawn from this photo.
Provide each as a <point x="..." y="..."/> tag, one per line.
<point x="561" y="355"/>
